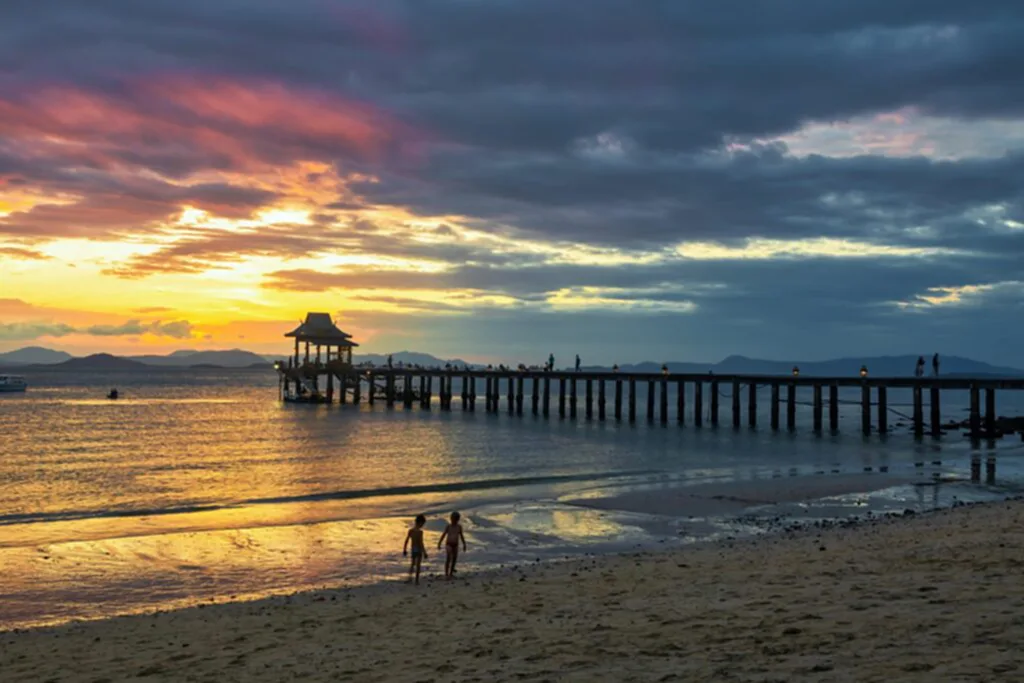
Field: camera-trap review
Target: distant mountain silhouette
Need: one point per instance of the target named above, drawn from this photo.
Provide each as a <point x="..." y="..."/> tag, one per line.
<point x="100" y="362"/>
<point x="878" y="366"/>
<point x="407" y="358"/>
<point x="33" y="354"/>
<point x="234" y="358"/>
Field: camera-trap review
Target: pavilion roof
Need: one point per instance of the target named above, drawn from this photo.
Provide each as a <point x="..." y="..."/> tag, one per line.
<point x="320" y="329"/>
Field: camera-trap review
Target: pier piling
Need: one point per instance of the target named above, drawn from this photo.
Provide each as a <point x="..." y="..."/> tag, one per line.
<point x="590" y="399"/>
<point x="650" y="400"/>
<point x="975" y="420"/>
<point x="990" y="412"/>
<point x="572" y="398"/>
<point x="600" y="400"/>
<point x="883" y="410"/>
<point x="817" y="409"/>
<point x="519" y="394"/>
<point x="775" y="406"/>
<point x="918" y="411"/>
<point x="865" y="408"/>
<point x="791" y="407"/>
<point x="664" y="401"/>
<point x="714" y="402"/>
<point x="680" y="401"/>
<point x="632" y="399"/>
<point x="736" y="417"/>
<point x="536" y="395"/>
<point x="833" y="407"/>
<point x="618" y="400"/>
<point x="752" y="404"/>
<point x="547" y="396"/>
<point x="698" y="403"/>
<point x="561" y="397"/>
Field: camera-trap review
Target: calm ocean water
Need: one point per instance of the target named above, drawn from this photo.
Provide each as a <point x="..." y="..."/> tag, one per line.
<point x="201" y="486"/>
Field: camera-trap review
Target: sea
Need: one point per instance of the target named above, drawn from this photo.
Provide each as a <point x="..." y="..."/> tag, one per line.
<point x="200" y="486"/>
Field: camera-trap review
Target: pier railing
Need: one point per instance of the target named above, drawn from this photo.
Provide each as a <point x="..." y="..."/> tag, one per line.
<point x="614" y="395"/>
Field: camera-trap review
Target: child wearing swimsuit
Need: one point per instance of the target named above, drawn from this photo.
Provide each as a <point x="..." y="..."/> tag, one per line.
<point x="419" y="551"/>
<point x="453" y="534"/>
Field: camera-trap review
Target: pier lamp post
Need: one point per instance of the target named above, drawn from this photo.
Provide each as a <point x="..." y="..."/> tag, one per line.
<point x="664" y="370"/>
<point x="615" y="368"/>
<point x="796" y="371"/>
<point x="863" y="371"/>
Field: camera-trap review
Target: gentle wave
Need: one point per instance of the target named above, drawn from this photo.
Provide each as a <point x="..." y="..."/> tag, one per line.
<point x="445" y="487"/>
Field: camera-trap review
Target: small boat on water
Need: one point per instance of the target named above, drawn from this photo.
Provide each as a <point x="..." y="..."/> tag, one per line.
<point x="113" y="394"/>
<point x="10" y="384"/>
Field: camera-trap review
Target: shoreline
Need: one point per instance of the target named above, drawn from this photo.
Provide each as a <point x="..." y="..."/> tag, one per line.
<point x="811" y="602"/>
<point x="251" y="564"/>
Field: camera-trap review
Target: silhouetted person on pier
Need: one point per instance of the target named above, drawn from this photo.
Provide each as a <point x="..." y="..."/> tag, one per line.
<point x="577" y="362"/>
<point x="389" y="362"/>
<point x="919" y="370"/>
<point x="935" y="365"/>
<point x="551" y="362"/>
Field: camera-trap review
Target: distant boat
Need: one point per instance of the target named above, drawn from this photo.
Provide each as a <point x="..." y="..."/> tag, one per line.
<point x="113" y="394"/>
<point x="10" y="384"/>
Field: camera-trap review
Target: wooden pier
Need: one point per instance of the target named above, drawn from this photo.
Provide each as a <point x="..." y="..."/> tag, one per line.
<point x="530" y="391"/>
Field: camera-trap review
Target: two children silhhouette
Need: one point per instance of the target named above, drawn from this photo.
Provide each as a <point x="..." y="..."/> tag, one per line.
<point x="452" y="534"/>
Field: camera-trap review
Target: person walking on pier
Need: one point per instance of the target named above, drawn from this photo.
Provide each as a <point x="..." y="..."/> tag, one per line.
<point x="551" y="362"/>
<point x="935" y="364"/>
<point x="919" y="370"/>
<point x="389" y="362"/>
<point x="577" y="362"/>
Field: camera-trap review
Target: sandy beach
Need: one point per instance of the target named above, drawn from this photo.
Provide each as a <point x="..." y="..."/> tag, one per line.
<point x="936" y="597"/>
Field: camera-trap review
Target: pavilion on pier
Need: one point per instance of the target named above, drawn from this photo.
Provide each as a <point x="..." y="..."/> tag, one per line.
<point x="319" y="332"/>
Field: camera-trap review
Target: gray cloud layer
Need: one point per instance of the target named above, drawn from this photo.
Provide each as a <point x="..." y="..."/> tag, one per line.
<point x="604" y="124"/>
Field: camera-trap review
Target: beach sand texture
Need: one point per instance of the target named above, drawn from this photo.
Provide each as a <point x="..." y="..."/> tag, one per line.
<point x="937" y="597"/>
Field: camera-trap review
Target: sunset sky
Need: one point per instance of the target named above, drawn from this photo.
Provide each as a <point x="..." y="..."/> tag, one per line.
<point x="500" y="179"/>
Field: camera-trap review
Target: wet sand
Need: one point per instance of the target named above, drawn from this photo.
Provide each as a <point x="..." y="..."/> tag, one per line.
<point x="917" y="598"/>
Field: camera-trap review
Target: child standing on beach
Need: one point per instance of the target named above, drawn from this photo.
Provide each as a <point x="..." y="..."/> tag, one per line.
<point x="453" y="534"/>
<point x="419" y="551"/>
